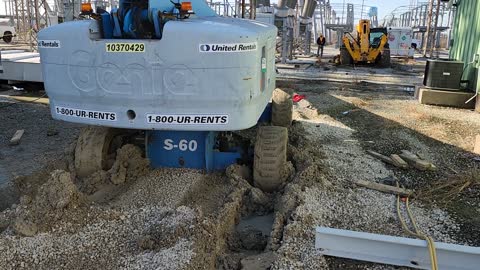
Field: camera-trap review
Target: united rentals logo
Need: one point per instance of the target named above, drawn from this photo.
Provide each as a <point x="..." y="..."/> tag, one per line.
<point x="227" y="48"/>
<point x="51" y="44"/>
<point x="205" y="48"/>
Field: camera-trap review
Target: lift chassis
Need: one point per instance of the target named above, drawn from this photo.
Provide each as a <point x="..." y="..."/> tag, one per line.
<point x="173" y="71"/>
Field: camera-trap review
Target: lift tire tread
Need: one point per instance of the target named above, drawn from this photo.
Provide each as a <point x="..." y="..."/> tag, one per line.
<point x="384" y="58"/>
<point x="345" y="57"/>
<point x="269" y="166"/>
<point x="7" y="37"/>
<point x="282" y="108"/>
<point x="92" y="149"/>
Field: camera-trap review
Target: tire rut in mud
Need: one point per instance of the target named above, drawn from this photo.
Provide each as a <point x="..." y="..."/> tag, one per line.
<point x="253" y="240"/>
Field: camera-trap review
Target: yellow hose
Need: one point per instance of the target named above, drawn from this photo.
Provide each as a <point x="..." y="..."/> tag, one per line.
<point x="417" y="233"/>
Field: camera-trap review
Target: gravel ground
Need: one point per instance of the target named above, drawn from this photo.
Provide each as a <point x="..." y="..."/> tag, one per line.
<point x="357" y="117"/>
<point x="156" y="188"/>
<point x="107" y="241"/>
<point x="406" y="71"/>
<point x="145" y="227"/>
<point x="344" y="206"/>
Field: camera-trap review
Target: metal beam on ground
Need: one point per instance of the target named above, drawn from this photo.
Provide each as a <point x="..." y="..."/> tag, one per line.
<point x="393" y="250"/>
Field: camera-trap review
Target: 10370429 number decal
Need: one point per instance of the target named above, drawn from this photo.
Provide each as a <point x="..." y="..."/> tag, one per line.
<point x="183" y="145"/>
<point x="124" y="47"/>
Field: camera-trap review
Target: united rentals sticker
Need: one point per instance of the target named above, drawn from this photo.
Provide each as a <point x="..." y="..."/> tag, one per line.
<point x="50" y="44"/>
<point x="227" y="48"/>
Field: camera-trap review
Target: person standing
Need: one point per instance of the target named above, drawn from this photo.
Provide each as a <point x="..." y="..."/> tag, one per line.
<point x="320" y="43"/>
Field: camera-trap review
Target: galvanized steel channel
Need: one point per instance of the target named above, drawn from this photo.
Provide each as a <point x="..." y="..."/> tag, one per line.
<point x="393" y="250"/>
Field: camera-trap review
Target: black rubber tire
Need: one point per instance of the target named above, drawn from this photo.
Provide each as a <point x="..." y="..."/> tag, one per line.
<point x="282" y="108"/>
<point x="345" y="57"/>
<point x="7" y="37"/>
<point x="269" y="165"/>
<point x="384" y="58"/>
<point x="92" y="149"/>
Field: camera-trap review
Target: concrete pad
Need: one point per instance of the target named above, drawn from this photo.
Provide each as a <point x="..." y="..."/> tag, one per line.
<point x="446" y="98"/>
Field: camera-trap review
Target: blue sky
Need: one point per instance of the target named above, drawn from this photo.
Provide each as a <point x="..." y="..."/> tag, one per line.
<point x="384" y="6"/>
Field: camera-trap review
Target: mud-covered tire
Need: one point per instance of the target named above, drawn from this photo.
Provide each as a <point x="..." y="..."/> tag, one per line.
<point x="345" y="57"/>
<point x="7" y="37"/>
<point x="92" y="149"/>
<point x="270" y="162"/>
<point x="282" y="108"/>
<point x="384" y="58"/>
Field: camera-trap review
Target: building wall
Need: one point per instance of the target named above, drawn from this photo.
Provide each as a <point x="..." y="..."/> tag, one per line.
<point x="466" y="39"/>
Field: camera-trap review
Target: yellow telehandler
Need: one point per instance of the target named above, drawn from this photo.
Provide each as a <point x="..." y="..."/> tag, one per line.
<point x="370" y="46"/>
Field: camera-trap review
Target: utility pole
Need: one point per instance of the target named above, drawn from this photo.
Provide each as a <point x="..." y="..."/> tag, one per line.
<point x="361" y="14"/>
<point x="426" y="38"/>
<point x="449" y="25"/>
<point x="434" y="39"/>
<point x="253" y="5"/>
<point x="243" y="8"/>
<point x="322" y="21"/>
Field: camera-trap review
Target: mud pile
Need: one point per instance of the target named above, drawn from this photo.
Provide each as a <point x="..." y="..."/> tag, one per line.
<point x="51" y="200"/>
<point x="131" y="217"/>
<point x="128" y="166"/>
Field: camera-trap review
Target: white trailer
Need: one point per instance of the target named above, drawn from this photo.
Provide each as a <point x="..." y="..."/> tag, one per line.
<point x="400" y="41"/>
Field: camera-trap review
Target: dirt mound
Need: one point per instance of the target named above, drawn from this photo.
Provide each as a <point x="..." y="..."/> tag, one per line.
<point x="30" y="184"/>
<point x="44" y="204"/>
<point x="128" y="166"/>
<point x="58" y="193"/>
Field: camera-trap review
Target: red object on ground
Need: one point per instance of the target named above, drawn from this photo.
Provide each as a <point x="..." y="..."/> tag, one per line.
<point x="297" y="98"/>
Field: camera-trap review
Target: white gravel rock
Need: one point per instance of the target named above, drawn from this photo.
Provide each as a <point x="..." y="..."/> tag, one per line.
<point x="172" y="258"/>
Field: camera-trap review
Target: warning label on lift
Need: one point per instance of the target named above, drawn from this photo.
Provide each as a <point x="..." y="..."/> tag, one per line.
<point x="86" y="114"/>
<point x="183" y="119"/>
